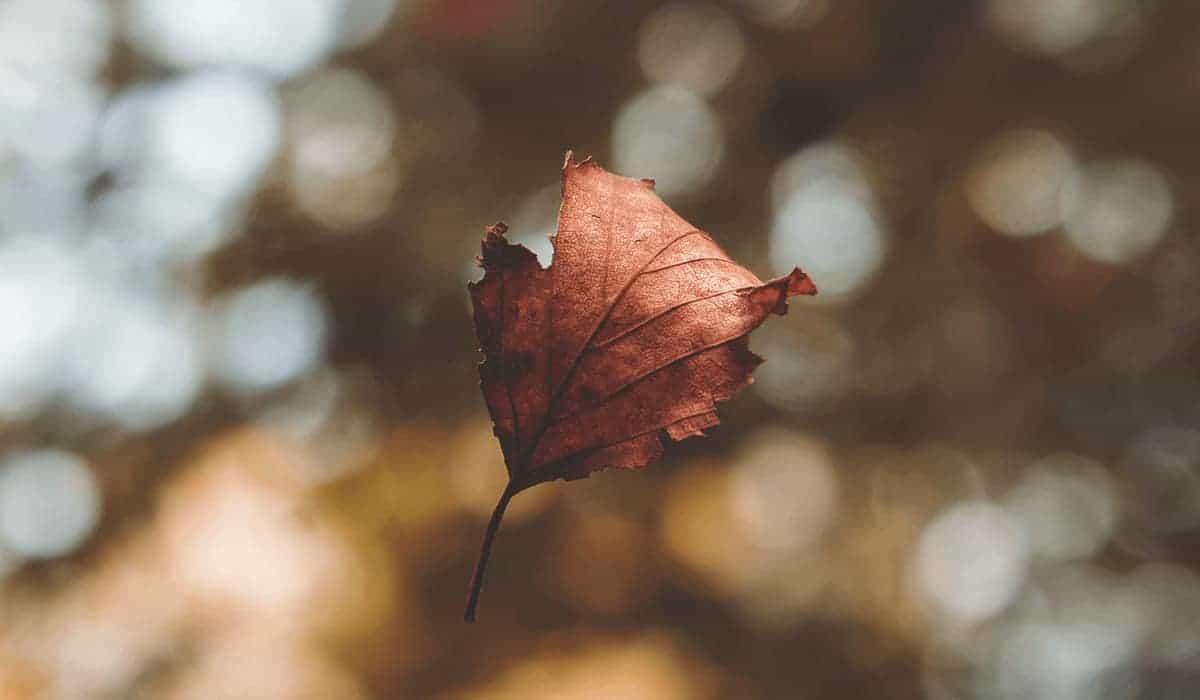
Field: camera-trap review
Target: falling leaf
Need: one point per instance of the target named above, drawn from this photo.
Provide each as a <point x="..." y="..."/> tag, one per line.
<point x="636" y="330"/>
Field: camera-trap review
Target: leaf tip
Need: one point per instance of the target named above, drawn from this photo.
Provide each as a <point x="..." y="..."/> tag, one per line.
<point x="773" y="295"/>
<point x="800" y="283"/>
<point x="569" y="161"/>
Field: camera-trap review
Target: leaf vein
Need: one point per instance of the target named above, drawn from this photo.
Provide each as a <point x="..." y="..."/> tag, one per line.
<point x="559" y="390"/>
<point x="600" y="344"/>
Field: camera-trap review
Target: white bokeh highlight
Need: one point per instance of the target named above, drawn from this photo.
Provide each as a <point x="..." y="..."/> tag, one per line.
<point x="52" y="40"/>
<point x="214" y="131"/>
<point x="159" y="223"/>
<point x="1016" y="182"/>
<point x="697" y="46"/>
<point x="1162" y="479"/>
<point x="341" y="124"/>
<point x="268" y="334"/>
<point x="49" y="503"/>
<point x="826" y="220"/>
<point x="971" y="561"/>
<point x="341" y="132"/>
<point x="40" y="301"/>
<point x="536" y="221"/>
<point x="671" y="135"/>
<point x="51" y="125"/>
<point x="1056" y="27"/>
<point x="1067" y="505"/>
<point x="278" y="38"/>
<point x="134" y="361"/>
<point x="1118" y="210"/>
<point x="812" y="360"/>
<point x="784" y="492"/>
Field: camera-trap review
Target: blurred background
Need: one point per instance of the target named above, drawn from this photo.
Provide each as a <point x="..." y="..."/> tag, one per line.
<point x="243" y="452"/>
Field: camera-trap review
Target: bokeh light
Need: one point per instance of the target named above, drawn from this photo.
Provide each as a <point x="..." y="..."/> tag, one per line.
<point x="1162" y="466"/>
<point x="1054" y="27"/>
<point x="1067" y="506"/>
<point x="1169" y="598"/>
<point x="697" y="46"/>
<point x="135" y="363"/>
<point x="49" y="502"/>
<point x="151" y="224"/>
<point x="341" y="123"/>
<point x="243" y="449"/>
<point x="972" y="561"/>
<point x="52" y="125"/>
<point x="276" y="37"/>
<point x="757" y="533"/>
<point x="536" y="221"/>
<point x="269" y="334"/>
<point x="40" y="301"/>
<point x="697" y="529"/>
<point x="1017" y="182"/>
<point x="341" y="131"/>
<point x="52" y="40"/>
<point x="325" y="413"/>
<point x="216" y="132"/>
<point x="673" y="133"/>
<point x="811" y="362"/>
<point x="36" y="203"/>
<point x="232" y="540"/>
<point x="1118" y="210"/>
<point x="648" y="667"/>
<point x="784" y="491"/>
<point x="251" y="663"/>
<point x="826" y="216"/>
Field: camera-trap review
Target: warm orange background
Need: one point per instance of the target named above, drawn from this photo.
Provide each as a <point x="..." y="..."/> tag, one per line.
<point x="242" y="448"/>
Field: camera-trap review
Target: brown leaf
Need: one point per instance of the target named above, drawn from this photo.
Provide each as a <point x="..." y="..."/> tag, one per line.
<point x="636" y="330"/>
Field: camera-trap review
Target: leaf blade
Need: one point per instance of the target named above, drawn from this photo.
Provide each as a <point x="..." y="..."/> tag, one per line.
<point x="638" y="316"/>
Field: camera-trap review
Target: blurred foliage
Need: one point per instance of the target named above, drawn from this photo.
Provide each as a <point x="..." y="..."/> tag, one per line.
<point x="242" y="449"/>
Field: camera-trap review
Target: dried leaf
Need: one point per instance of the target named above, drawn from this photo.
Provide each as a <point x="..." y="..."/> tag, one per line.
<point x="636" y="330"/>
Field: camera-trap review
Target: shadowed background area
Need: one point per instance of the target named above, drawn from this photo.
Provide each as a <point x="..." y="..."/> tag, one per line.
<point x="243" y="452"/>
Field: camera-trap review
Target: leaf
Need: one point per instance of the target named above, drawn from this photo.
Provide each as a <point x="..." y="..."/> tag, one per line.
<point x="636" y="330"/>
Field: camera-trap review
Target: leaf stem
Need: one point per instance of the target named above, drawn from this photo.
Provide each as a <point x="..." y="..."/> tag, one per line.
<point x="486" y="550"/>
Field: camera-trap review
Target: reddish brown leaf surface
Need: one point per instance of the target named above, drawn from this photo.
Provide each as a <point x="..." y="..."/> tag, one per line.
<point x="637" y="330"/>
